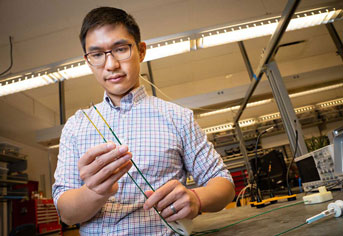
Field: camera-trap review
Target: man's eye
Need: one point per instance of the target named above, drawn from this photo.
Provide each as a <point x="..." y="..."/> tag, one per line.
<point x="96" y="54"/>
<point x="121" y="49"/>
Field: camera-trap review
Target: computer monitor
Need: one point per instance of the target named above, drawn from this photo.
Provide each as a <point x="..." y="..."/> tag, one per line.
<point x="308" y="170"/>
<point x="317" y="169"/>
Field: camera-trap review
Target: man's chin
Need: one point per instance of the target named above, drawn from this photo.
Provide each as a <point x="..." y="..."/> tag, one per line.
<point x="118" y="92"/>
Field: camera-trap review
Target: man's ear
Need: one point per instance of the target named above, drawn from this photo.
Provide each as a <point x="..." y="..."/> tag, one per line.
<point x="142" y="51"/>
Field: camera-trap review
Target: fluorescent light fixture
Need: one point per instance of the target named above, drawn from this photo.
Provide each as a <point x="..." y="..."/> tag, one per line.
<point x="272" y="116"/>
<point x="331" y="103"/>
<point x="24" y="84"/>
<point x="258" y="103"/>
<point x="166" y="49"/>
<point x="44" y="77"/>
<point x="317" y="90"/>
<point x="54" y="146"/>
<point x="247" y="122"/>
<point x="252" y="104"/>
<point x="269" y="117"/>
<point x="228" y="126"/>
<point x="266" y="101"/>
<point x="78" y="68"/>
<point x="218" y="128"/>
<point x="265" y="27"/>
<point x="218" y="111"/>
<point x="173" y="45"/>
<point x="304" y="109"/>
<point x="233" y="108"/>
<point x="74" y="71"/>
<point x="234" y="35"/>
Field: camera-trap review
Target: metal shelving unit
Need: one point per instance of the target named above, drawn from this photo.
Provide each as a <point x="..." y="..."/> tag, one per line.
<point x="269" y="67"/>
<point x="11" y="161"/>
<point x="324" y="113"/>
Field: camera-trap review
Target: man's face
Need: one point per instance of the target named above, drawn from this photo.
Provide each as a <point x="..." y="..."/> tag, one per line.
<point x="117" y="77"/>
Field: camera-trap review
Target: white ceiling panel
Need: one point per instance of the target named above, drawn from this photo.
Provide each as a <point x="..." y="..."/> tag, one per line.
<point x="46" y="32"/>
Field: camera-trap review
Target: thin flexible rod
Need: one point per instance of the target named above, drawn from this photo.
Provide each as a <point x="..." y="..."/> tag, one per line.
<point x="128" y="172"/>
<point x="94" y="126"/>
<point x="195" y="233"/>
<point x="108" y="126"/>
<point x="106" y="142"/>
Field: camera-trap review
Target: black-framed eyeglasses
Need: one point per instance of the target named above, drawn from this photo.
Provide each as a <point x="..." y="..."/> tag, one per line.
<point x="98" y="58"/>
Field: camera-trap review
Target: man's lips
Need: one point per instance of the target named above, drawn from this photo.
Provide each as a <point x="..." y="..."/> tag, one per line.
<point x="115" y="78"/>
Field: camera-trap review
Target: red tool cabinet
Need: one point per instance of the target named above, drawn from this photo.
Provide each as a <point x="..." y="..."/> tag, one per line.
<point x="46" y="216"/>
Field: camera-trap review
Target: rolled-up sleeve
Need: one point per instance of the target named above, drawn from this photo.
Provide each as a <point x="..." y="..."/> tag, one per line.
<point x="67" y="174"/>
<point x="200" y="157"/>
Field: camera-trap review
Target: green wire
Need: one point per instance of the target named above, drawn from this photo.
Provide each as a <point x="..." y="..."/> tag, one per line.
<point x="290" y="229"/>
<point x="230" y="225"/>
<point x="141" y="174"/>
<point x="128" y="172"/>
<point x="108" y="126"/>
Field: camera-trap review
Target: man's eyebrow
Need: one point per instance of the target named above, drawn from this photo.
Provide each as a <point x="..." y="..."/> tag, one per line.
<point x="94" y="48"/>
<point x="117" y="43"/>
<point x="120" y="42"/>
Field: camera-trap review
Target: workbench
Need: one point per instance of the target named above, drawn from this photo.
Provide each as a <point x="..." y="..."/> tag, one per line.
<point x="273" y="222"/>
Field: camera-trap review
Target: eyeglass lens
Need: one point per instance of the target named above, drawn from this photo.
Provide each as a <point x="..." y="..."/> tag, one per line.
<point x="119" y="53"/>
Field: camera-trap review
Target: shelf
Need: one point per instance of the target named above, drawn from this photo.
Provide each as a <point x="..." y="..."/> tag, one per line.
<point x="239" y="156"/>
<point x="309" y="119"/>
<point x="9" y="182"/>
<point x="12" y="197"/>
<point x="11" y="158"/>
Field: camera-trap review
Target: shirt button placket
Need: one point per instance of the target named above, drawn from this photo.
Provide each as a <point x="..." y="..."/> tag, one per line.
<point x="123" y="127"/>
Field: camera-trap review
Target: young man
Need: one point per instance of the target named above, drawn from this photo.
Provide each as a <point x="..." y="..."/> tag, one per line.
<point x="92" y="187"/>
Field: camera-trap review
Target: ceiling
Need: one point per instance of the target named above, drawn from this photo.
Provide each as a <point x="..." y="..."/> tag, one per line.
<point x="46" y="32"/>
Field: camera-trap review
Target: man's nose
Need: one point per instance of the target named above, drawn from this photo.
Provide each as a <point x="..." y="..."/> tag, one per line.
<point x="111" y="62"/>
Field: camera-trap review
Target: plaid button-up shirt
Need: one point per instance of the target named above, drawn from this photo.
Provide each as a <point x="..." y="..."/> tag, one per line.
<point x="166" y="143"/>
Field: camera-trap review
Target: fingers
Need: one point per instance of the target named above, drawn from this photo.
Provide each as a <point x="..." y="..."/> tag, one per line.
<point x="94" y="152"/>
<point x="113" y="170"/>
<point x="160" y="194"/>
<point x="101" y="161"/>
<point x="182" y="206"/>
<point x="148" y="193"/>
<point x="103" y="165"/>
<point x="183" y="202"/>
<point x="111" y="182"/>
<point x="181" y="214"/>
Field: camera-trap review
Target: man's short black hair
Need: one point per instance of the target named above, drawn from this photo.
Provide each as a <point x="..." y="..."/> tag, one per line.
<point x="109" y="16"/>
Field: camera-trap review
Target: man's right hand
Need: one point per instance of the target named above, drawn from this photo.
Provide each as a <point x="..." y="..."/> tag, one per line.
<point x="102" y="166"/>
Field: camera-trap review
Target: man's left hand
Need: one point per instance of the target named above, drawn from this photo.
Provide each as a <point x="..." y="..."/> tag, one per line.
<point x="174" y="201"/>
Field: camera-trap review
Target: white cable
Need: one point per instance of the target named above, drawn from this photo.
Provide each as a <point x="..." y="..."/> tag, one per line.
<point x="242" y="197"/>
<point x="242" y="190"/>
<point x="171" y="99"/>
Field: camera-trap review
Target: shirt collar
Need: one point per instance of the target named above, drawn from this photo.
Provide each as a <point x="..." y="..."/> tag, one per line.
<point x="133" y="97"/>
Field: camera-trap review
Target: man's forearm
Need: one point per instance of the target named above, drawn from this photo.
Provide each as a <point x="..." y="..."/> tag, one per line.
<point x="216" y="194"/>
<point x="79" y="205"/>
